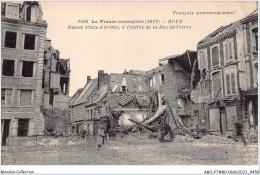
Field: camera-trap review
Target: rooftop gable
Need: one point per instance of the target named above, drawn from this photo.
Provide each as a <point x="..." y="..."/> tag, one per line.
<point x="86" y="92"/>
<point x="75" y="95"/>
<point x="251" y="16"/>
<point x="225" y="31"/>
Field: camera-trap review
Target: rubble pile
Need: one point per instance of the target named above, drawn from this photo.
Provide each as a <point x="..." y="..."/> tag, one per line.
<point x="59" y="141"/>
<point x="47" y="141"/>
<point x="181" y="138"/>
<point x="205" y="139"/>
<point x="215" y="139"/>
<point x="136" y="139"/>
<point x="158" y="127"/>
<point x="252" y="138"/>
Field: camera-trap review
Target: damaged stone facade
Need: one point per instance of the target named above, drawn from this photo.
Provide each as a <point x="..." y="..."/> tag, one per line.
<point x="228" y="68"/>
<point x="23" y="36"/>
<point x="55" y="84"/>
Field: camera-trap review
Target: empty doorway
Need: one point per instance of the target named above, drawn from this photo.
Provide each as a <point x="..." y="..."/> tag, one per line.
<point x="5" y="126"/>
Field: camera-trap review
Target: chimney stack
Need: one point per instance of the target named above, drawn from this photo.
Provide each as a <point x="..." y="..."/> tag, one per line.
<point x="101" y="76"/>
<point x="88" y="79"/>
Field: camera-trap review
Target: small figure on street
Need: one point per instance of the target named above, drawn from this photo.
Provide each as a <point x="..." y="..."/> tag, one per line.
<point x="100" y="136"/>
<point x="239" y="133"/>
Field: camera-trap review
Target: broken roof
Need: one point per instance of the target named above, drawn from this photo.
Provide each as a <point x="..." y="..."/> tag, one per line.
<point x="185" y="60"/>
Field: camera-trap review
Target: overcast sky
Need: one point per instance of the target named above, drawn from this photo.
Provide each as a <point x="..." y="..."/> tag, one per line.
<point x="117" y="50"/>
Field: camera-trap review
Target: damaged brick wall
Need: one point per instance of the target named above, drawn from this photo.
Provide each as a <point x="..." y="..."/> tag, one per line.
<point x="131" y="102"/>
<point x="133" y="82"/>
<point x="56" y="89"/>
<point x="170" y="90"/>
<point x="55" y="123"/>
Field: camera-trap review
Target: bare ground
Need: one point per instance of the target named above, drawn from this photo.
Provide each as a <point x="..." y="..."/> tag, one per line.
<point x="127" y="151"/>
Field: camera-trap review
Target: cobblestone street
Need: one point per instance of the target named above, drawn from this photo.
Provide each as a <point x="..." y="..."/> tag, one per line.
<point x="116" y="153"/>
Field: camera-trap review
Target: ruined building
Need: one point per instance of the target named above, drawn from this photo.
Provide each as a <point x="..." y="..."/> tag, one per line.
<point x="55" y="84"/>
<point x="228" y="64"/>
<point x="179" y="78"/>
<point x="111" y="99"/>
<point x="137" y="95"/>
<point x="35" y="80"/>
<point x="23" y="36"/>
<point x="128" y="97"/>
